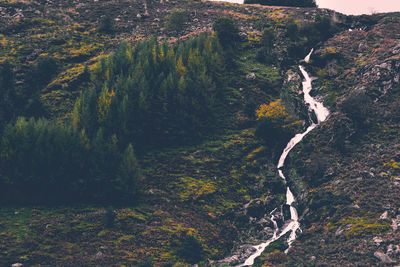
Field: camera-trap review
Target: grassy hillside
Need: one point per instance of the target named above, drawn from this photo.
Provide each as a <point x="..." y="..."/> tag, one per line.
<point x="201" y="197"/>
<point x="349" y="166"/>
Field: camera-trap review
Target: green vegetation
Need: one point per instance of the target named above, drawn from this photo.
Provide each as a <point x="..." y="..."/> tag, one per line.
<point x="151" y="94"/>
<point x="25" y="99"/>
<point x="322" y="203"/>
<point x="358" y="108"/>
<point x="176" y="19"/>
<point x="276" y="126"/>
<point x="365" y="225"/>
<point x="298" y="3"/>
<point x="8" y="99"/>
<point x="105" y="25"/>
<point x="190" y="249"/>
<point x="155" y="94"/>
<point x="227" y="32"/>
<point x="274" y="254"/>
<point x="157" y="232"/>
<point x="44" y="162"/>
<point x="308" y="35"/>
<point x="264" y="54"/>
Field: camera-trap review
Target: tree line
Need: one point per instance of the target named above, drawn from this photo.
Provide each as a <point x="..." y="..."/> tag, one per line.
<point x="146" y="96"/>
<point x="155" y="94"/>
<point x="45" y="162"/>
<point x="297" y="3"/>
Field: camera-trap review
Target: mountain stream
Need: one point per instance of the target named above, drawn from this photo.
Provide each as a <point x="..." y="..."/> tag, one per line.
<point x="293" y="224"/>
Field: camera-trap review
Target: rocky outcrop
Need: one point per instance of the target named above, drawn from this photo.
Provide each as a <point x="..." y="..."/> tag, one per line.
<point x="383" y="257"/>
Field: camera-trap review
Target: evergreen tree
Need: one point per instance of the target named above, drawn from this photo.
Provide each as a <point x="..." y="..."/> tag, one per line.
<point x="154" y="93"/>
<point x="227" y="32"/>
<point x="128" y="177"/>
<point x="8" y="107"/>
<point x="267" y="43"/>
<point x="298" y="3"/>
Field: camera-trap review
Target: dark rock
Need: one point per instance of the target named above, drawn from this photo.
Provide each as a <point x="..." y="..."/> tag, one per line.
<point x="255" y="209"/>
<point x="286" y="211"/>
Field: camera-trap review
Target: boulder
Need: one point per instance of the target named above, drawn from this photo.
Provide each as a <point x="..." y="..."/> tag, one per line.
<point x="339" y="231"/>
<point x="393" y="249"/>
<point x="384" y="216"/>
<point x="377" y="240"/>
<point x="383" y="257"/>
<point x="99" y="255"/>
<point x="396" y="223"/>
<point x="251" y="76"/>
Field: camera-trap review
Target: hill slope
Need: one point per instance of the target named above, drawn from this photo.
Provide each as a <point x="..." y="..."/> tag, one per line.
<point x="204" y="198"/>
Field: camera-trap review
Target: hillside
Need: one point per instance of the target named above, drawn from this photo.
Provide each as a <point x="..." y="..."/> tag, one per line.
<point x="207" y="180"/>
<point x="352" y="202"/>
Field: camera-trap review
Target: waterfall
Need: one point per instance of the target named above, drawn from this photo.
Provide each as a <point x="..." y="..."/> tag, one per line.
<point x="293" y="224"/>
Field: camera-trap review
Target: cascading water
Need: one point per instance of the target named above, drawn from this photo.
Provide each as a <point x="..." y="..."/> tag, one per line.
<point x="293" y="225"/>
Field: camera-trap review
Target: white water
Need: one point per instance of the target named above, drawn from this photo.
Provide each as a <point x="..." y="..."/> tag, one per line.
<point x="307" y="58"/>
<point x="293" y="224"/>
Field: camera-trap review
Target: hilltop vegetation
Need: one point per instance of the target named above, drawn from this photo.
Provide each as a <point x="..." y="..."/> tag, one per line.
<point x="298" y="3"/>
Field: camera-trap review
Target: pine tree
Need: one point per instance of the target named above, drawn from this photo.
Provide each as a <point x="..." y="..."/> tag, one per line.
<point x="129" y="175"/>
<point x="104" y="102"/>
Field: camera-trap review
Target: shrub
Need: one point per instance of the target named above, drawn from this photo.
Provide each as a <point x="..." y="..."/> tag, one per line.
<point x="190" y="249"/>
<point x="227" y="32"/>
<point x="109" y="217"/>
<point x="264" y="54"/>
<point x="324" y="203"/>
<point x="292" y="31"/>
<point x="176" y="19"/>
<point x="309" y="35"/>
<point x="299" y="3"/>
<point x="268" y="40"/>
<point x="42" y="72"/>
<point x="315" y="170"/>
<point x="250" y="107"/>
<point x="8" y="99"/>
<point x="105" y="25"/>
<point x="275" y="126"/>
<point x="296" y="50"/>
<point x="357" y="107"/>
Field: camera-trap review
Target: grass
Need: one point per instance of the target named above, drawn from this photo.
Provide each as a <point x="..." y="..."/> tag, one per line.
<point x="210" y="176"/>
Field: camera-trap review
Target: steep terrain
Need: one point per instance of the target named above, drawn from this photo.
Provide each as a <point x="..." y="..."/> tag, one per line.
<point x="349" y="167"/>
<point x="204" y="199"/>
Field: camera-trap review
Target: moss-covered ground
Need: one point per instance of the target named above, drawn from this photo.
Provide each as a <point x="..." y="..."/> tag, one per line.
<point x="187" y="192"/>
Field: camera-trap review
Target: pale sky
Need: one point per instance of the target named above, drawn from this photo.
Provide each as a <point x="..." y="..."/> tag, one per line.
<point x="352" y="7"/>
<point x="357" y="7"/>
